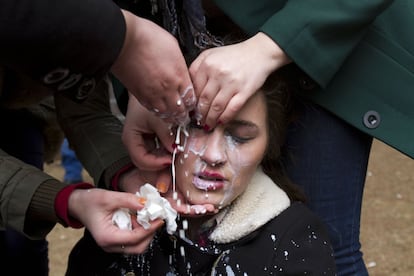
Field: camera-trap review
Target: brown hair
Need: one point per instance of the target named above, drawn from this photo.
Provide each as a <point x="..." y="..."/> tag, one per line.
<point x="279" y="96"/>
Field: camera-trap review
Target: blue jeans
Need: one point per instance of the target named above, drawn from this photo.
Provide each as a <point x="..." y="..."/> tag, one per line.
<point x="71" y="164"/>
<point x="329" y="160"/>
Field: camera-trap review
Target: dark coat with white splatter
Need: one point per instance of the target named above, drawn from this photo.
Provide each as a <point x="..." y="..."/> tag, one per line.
<point x="261" y="233"/>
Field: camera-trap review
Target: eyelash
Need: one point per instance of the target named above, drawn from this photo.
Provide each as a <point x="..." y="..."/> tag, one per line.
<point x="236" y="139"/>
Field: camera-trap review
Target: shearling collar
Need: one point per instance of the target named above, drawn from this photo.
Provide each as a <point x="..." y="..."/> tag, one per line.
<point x="260" y="202"/>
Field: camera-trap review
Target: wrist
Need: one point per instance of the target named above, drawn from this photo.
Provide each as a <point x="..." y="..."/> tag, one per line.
<point x="270" y="51"/>
<point x="62" y="207"/>
<point x="122" y="59"/>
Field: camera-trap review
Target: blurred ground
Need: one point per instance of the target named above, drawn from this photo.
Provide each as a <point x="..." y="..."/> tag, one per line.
<point x="387" y="217"/>
<point x="388" y="212"/>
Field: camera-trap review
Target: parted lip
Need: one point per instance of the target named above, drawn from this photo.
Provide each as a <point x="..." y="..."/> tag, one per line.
<point x="208" y="181"/>
<point x="214" y="176"/>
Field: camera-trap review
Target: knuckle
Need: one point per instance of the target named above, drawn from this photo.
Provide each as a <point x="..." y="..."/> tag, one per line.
<point x="217" y="107"/>
<point x="235" y="107"/>
<point x="204" y="102"/>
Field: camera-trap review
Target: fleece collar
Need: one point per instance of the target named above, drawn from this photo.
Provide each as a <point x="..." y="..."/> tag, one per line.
<point x="260" y="202"/>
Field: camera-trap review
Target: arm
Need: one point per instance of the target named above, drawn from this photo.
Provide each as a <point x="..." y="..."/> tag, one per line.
<point x="319" y="35"/>
<point x="41" y="49"/>
<point x="82" y="37"/>
<point x="94" y="133"/>
<point x="32" y="202"/>
<point x="18" y="184"/>
<point x="315" y="35"/>
<point x="42" y="40"/>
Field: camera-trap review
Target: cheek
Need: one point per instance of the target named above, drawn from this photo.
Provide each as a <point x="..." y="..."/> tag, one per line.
<point x="184" y="168"/>
<point x="243" y="163"/>
<point x="188" y="162"/>
<point x="242" y="177"/>
<point x="247" y="158"/>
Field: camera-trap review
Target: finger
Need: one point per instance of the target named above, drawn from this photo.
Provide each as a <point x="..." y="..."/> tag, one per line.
<point x="232" y="108"/>
<point x="188" y="100"/>
<point x="188" y="210"/>
<point x="163" y="182"/>
<point x="159" y="103"/>
<point x="124" y="238"/>
<point x="145" y="237"/>
<point x="121" y="200"/>
<point x="177" y="201"/>
<point x="174" y="103"/>
<point x="220" y="105"/>
<point x="178" y="100"/>
<point x="147" y="160"/>
<point x="142" y="154"/>
<point x="135" y="241"/>
<point x="165" y="139"/>
<point x="195" y="65"/>
<point x="198" y="76"/>
<point x="205" y="100"/>
<point x="175" y="113"/>
<point x="188" y="97"/>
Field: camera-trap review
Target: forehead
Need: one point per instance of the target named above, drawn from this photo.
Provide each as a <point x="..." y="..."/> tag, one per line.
<point x="254" y="109"/>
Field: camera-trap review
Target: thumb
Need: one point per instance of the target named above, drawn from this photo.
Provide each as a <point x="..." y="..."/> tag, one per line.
<point x="164" y="181"/>
<point x="125" y="200"/>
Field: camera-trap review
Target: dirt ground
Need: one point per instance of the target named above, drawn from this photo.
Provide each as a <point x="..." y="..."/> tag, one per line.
<point x="387" y="217"/>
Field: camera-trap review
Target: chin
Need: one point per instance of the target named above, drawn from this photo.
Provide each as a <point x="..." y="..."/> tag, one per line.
<point x="204" y="198"/>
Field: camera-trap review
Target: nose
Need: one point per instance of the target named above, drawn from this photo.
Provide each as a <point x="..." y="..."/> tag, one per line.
<point x="215" y="150"/>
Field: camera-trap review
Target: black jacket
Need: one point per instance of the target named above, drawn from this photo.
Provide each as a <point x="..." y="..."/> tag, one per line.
<point x="68" y="45"/>
<point x="260" y="233"/>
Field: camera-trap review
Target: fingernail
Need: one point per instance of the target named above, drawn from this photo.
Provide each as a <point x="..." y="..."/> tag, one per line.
<point x="142" y="200"/>
<point x="162" y="187"/>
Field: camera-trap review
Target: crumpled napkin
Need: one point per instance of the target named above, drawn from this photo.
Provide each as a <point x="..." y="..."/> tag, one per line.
<point x="155" y="207"/>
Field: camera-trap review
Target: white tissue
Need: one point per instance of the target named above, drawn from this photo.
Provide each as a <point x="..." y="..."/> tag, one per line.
<point x="122" y="219"/>
<point x="155" y="207"/>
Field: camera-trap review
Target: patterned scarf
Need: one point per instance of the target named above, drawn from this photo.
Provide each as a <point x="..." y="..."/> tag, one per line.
<point x="186" y="21"/>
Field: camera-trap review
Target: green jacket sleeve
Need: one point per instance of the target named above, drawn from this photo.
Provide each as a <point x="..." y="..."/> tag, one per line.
<point x="27" y="197"/>
<point x="94" y="132"/>
<point x="317" y="35"/>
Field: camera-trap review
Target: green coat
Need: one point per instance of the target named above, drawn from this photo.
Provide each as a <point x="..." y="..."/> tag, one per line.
<point x="361" y="53"/>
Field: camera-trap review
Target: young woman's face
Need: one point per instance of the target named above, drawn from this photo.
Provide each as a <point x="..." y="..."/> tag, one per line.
<point x="217" y="165"/>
